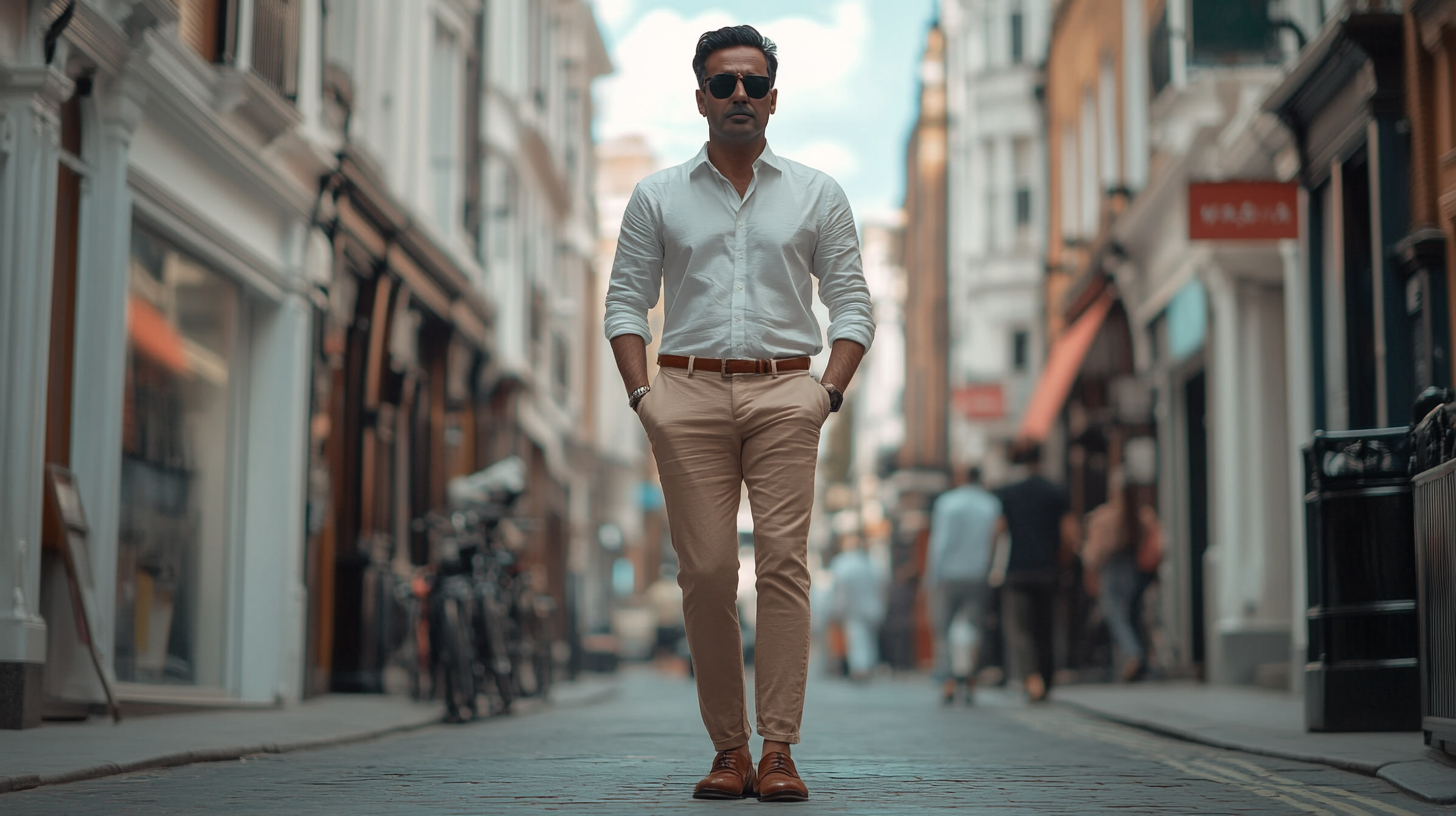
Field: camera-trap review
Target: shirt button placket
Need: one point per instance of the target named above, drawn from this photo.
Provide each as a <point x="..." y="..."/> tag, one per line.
<point x="738" y="274"/>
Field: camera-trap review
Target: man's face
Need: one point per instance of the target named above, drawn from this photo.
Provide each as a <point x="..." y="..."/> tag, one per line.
<point x="738" y="118"/>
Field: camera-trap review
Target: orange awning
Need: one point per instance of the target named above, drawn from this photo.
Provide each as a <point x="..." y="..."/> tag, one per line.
<point x="153" y="336"/>
<point x="1061" y="371"/>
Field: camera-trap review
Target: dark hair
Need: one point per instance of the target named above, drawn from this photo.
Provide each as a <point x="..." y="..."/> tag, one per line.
<point x="974" y="474"/>
<point x="729" y="37"/>
<point x="1026" y="453"/>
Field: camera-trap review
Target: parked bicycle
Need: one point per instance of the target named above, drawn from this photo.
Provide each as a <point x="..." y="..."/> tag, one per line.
<point x="482" y="627"/>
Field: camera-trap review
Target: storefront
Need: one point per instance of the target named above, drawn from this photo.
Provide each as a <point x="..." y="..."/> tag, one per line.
<point x="398" y="360"/>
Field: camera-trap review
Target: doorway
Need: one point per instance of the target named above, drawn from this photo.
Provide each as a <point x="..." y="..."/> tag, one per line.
<point x="1195" y="399"/>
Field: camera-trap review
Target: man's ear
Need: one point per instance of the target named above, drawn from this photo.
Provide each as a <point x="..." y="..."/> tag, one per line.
<point x="702" y="102"/>
<point x="773" y="101"/>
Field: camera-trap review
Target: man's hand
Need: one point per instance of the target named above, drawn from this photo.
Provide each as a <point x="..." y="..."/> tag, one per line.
<point x="631" y="353"/>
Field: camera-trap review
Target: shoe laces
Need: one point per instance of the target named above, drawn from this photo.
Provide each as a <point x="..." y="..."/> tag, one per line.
<point x="724" y="761"/>
<point x="779" y="762"/>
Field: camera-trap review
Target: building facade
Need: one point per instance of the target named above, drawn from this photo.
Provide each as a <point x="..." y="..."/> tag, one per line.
<point x="274" y="271"/>
<point x="996" y="216"/>
<point x="160" y="257"/>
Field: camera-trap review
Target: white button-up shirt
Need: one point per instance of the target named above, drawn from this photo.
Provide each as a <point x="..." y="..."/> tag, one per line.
<point x="738" y="273"/>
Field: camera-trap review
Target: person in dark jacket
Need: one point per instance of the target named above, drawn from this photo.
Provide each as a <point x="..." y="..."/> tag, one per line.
<point x="1044" y="535"/>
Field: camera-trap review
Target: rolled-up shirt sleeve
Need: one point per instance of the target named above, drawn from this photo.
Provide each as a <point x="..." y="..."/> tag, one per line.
<point x="840" y="271"/>
<point x="637" y="269"/>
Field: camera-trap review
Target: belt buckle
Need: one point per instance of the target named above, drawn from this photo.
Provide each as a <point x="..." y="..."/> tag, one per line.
<point x="723" y="367"/>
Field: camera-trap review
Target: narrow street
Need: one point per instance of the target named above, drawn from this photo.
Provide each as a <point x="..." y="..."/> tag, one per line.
<point x="884" y="748"/>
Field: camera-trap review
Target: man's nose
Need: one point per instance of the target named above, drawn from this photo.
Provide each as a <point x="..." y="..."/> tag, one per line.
<point x="740" y="93"/>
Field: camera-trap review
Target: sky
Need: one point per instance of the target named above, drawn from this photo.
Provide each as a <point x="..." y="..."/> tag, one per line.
<point x="846" y="79"/>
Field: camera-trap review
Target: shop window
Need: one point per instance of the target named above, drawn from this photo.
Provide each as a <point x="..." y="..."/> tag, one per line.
<point x="1020" y="351"/>
<point x="176" y="462"/>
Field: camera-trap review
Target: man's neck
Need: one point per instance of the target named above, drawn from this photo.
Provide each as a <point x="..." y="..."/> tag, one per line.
<point x="735" y="159"/>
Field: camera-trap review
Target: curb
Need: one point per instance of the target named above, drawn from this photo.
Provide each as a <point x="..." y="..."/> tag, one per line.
<point x="12" y="784"/>
<point x="1445" y="793"/>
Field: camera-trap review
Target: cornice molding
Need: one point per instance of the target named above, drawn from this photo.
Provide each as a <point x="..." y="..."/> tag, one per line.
<point x="99" y="38"/>
<point x="181" y="99"/>
<point x="211" y="243"/>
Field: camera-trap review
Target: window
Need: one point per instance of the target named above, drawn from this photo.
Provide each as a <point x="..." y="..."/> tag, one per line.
<point x="1018" y="37"/>
<point x="171" y="603"/>
<point x="1107" y="124"/>
<point x="1089" y="196"/>
<point x="1232" y="33"/>
<point x="200" y="23"/>
<point x="444" y="96"/>
<point x="275" y="44"/>
<point x="1021" y="160"/>
<point x="1020" y="350"/>
<point x="1067" y="181"/>
<point x="1023" y="207"/>
<point x="1160" y="58"/>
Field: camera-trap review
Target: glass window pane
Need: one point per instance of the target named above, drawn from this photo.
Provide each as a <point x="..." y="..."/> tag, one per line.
<point x="171" y="586"/>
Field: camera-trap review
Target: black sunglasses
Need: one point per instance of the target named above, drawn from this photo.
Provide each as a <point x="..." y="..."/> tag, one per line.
<point x="722" y="86"/>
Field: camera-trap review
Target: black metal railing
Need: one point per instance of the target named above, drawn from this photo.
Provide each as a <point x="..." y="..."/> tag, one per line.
<point x="1363" y="672"/>
<point x="1433" y="464"/>
<point x="275" y="44"/>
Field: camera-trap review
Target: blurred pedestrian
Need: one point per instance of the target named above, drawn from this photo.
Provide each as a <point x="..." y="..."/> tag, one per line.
<point x="858" y="605"/>
<point x="964" y="523"/>
<point x="1110" y="574"/>
<point x="736" y="240"/>
<point x="1044" y="536"/>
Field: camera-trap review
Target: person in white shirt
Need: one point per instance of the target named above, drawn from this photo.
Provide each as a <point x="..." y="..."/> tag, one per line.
<point x="964" y="524"/>
<point x="735" y="240"/>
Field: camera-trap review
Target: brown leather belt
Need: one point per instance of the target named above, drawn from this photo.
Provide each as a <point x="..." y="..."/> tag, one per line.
<point x="726" y="367"/>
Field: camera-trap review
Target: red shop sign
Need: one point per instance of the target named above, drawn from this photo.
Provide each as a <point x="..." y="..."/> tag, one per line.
<point x="1243" y="211"/>
<point x="981" y="401"/>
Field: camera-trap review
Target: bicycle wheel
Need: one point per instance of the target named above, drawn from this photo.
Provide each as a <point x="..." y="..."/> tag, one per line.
<point x="458" y="664"/>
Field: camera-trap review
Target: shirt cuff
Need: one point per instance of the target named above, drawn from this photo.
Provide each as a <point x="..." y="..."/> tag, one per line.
<point x="626" y="323"/>
<point x="860" y="331"/>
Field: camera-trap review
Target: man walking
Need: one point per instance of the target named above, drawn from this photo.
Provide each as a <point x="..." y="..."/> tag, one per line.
<point x="735" y="239"/>
<point x="964" y="523"/>
<point x="1044" y="535"/>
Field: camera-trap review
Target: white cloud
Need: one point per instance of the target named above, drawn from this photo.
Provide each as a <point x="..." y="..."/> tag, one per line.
<point x="652" y="90"/>
<point x="612" y="13"/>
<point x="835" y="158"/>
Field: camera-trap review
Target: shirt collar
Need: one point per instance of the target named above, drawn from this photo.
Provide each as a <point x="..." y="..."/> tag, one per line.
<point x="765" y="159"/>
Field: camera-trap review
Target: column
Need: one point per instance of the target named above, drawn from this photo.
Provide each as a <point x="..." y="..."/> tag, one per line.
<point x="29" y="142"/>
<point x="270" y="661"/>
<point x="1300" y="367"/>
<point x="100" y="351"/>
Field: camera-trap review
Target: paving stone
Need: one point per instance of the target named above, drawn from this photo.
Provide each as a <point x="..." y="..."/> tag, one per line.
<point x="886" y="747"/>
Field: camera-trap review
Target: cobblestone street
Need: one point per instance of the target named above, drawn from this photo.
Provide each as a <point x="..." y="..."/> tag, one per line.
<point x="883" y="748"/>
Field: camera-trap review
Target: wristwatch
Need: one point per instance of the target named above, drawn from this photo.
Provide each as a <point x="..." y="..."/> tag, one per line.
<point x="836" y="397"/>
<point x="637" y="395"/>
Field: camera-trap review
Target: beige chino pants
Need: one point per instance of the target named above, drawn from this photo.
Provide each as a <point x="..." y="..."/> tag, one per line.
<point x="712" y="434"/>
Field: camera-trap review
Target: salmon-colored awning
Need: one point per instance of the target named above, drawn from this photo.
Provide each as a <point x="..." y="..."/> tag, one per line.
<point x="1061" y="371"/>
<point x="153" y="336"/>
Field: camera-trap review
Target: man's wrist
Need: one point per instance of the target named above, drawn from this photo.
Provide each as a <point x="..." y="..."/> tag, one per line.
<point x="836" y="397"/>
<point x="636" y="396"/>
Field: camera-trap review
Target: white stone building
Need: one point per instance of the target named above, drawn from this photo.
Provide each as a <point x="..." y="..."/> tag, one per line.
<point x="271" y="272"/>
<point x="996" y="216"/>
<point x="157" y="188"/>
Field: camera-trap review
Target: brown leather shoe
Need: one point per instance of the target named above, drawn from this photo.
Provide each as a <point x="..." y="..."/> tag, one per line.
<point x="732" y="777"/>
<point x="778" y="781"/>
